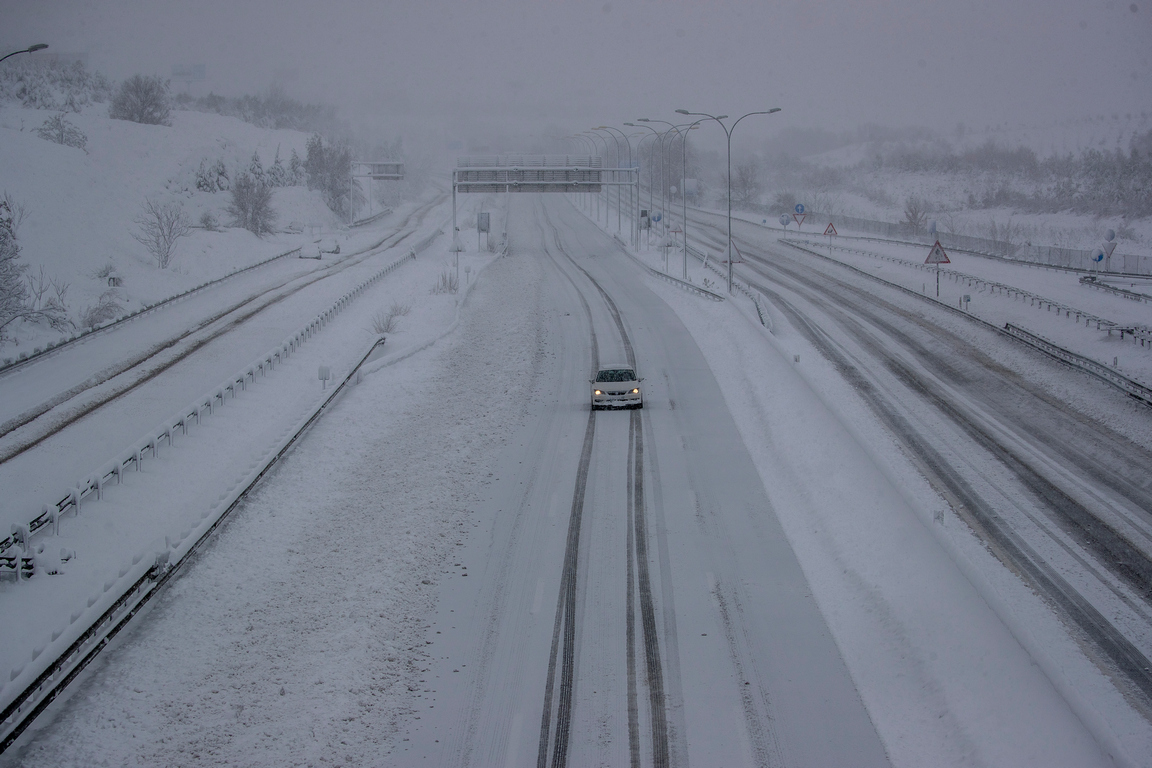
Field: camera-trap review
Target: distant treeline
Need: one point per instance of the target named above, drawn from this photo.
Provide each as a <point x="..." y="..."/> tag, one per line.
<point x="274" y="109"/>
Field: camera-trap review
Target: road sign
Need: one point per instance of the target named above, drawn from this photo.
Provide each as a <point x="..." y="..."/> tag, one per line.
<point x="482" y="222"/>
<point x="831" y="230"/>
<point x="937" y="255"/>
<point x="799" y="216"/>
<point x="800" y="208"/>
<point x="1108" y="249"/>
<point x="784" y="220"/>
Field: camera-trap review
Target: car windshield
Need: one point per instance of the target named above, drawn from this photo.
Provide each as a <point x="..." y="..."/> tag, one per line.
<point x="616" y="374"/>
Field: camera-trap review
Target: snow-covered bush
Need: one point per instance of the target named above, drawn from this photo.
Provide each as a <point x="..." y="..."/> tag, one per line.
<point x="142" y="99"/>
<point x="208" y="221"/>
<point x="212" y="178"/>
<point x="160" y="226"/>
<point x="37" y="83"/>
<point x="251" y="205"/>
<point x="62" y="131"/>
<point x="106" y="308"/>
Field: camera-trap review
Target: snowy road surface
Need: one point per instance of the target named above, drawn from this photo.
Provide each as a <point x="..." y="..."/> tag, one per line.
<point x="462" y="565"/>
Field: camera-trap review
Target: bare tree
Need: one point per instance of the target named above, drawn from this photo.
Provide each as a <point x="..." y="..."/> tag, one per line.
<point x="161" y="225"/>
<point x="915" y="214"/>
<point x="14" y="297"/>
<point x="142" y="99"/>
<point x="251" y="205"/>
<point x="746" y="186"/>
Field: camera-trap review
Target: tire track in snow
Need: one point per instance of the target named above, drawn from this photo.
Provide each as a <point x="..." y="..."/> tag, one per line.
<point x="1111" y="649"/>
<point x="139" y="360"/>
<point x="565" y="624"/>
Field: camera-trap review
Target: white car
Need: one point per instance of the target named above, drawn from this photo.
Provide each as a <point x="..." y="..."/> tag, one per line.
<point x="616" y="386"/>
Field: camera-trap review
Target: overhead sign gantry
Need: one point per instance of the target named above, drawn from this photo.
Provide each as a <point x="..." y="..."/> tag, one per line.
<point x="538" y="173"/>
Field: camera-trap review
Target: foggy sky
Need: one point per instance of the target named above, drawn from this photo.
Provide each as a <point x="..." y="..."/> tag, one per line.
<point x="451" y="68"/>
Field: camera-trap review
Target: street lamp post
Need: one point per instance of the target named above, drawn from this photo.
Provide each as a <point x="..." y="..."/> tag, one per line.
<point x="629" y="143"/>
<point x="598" y="136"/>
<point x="29" y="49"/>
<point x="582" y="139"/>
<point x="657" y="134"/>
<point x="617" y="143"/>
<point x="683" y="193"/>
<point x="728" y="133"/>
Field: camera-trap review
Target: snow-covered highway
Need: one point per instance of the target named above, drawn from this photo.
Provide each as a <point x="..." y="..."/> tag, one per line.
<point x="462" y="565"/>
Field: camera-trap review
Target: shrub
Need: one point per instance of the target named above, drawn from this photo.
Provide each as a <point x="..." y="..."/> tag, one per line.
<point x="161" y="225"/>
<point x="208" y="221"/>
<point x="106" y="308"/>
<point x="386" y="322"/>
<point x="251" y="205"/>
<point x="39" y="84"/>
<point x="60" y="130"/>
<point x="142" y="99"/>
<point x="447" y="282"/>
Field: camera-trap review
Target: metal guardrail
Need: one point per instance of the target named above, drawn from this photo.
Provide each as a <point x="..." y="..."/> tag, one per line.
<point x="369" y="219"/>
<point x="137" y="584"/>
<point x="1112" y="377"/>
<point x="1140" y="333"/>
<point x="1115" y="378"/>
<point x="1055" y="257"/>
<point x="139" y="313"/>
<point x="1093" y="282"/>
<point x="704" y="292"/>
<point x="122" y="597"/>
<point x="94" y="484"/>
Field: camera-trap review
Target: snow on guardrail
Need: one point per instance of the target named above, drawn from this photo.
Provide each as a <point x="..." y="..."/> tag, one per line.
<point x="26" y="358"/>
<point x="668" y="278"/>
<point x="71" y="500"/>
<point x="32" y="685"/>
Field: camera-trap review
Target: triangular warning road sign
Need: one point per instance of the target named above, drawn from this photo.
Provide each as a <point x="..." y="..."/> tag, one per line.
<point x="831" y="230"/>
<point x="937" y="255"/>
<point x="799" y="217"/>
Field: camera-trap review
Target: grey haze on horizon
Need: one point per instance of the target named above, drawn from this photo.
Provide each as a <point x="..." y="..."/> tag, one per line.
<point x="451" y="69"/>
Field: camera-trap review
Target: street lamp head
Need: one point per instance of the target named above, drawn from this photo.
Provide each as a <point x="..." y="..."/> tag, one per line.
<point x="683" y="112"/>
<point x="774" y="109"/>
<point x="722" y="117"/>
<point x="37" y="47"/>
<point x="643" y="120"/>
<point x="633" y="125"/>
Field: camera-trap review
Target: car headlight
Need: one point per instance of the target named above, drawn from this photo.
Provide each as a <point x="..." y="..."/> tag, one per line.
<point x="636" y="391"/>
<point x="597" y="392"/>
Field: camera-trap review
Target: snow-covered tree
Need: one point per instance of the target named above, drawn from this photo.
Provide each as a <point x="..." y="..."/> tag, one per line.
<point x="251" y="205"/>
<point x="256" y="170"/>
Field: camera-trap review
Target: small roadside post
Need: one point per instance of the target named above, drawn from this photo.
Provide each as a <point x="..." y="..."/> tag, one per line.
<point x="482" y="225"/>
<point x="324" y="374"/>
<point x="937" y="256"/>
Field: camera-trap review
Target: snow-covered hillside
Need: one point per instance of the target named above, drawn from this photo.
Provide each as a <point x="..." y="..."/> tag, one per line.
<point x="80" y="204"/>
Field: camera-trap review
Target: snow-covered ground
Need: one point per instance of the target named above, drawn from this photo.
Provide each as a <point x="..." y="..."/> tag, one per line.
<point x="80" y="205"/>
<point x="386" y="596"/>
